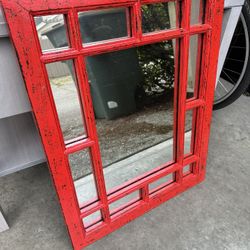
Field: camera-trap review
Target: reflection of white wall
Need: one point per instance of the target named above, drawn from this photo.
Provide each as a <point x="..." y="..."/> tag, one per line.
<point x="194" y="19"/>
<point x="172" y="17"/>
<point x="193" y="49"/>
<point x="172" y="14"/>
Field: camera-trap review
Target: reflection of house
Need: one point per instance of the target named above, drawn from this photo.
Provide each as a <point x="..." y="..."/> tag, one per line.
<point x="43" y="25"/>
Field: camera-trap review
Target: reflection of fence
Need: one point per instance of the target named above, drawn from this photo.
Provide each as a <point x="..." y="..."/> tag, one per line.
<point x="57" y="69"/>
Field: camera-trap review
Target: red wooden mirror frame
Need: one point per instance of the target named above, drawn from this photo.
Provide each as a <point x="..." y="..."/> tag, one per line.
<point x="20" y="17"/>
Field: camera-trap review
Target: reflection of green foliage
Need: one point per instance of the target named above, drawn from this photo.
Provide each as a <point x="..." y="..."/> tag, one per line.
<point x="157" y="64"/>
<point x="155" y="17"/>
<point x="156" y="60"/>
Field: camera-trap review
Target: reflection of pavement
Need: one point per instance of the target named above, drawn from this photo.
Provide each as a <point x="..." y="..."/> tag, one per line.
<point x="129" y="168"/>
<point x="119" y="138"/>
<point x="69" y="109"/>
<point x="64" y="95"/>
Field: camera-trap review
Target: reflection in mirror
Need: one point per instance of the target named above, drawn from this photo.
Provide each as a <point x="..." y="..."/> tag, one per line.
<point x="133" y="107"/>
<point x="194" y="65"/>
<point x="119" y="204"/>
<point x="52" y="32"/>
<point x="197" y="11"/>
<point x="81" y="166"/>
<point x="158" y="16"/>
<point x="105" y="24"/>
<point x="92" y="219"/>
<point x="161" y="182"/>
<point x="189" y="131"/>
<point x="65" y="93"/>
<point x="186" y="170"/>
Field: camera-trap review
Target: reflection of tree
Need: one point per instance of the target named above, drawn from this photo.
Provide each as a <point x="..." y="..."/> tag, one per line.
<point x="156" y="60"/>
<point x="157" y="64"/>
<point x="155" y="17"/>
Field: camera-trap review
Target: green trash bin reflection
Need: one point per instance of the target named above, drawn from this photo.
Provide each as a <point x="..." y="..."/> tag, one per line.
<point x="113" y="77"/>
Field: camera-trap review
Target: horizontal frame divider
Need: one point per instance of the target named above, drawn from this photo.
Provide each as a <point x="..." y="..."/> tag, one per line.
<point x="122" y="43"/>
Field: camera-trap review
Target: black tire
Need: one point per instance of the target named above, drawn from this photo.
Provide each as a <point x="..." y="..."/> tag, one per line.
<point x="244" y="83"/>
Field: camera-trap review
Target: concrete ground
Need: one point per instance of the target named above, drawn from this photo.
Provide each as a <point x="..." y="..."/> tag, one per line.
<point x="212" y="215"/>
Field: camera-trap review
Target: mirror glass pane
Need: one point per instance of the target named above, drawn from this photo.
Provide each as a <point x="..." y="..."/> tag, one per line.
<point x="194" y="65"/>
<point x="92" y="219"/>
<point x="197" y="11"/>
<point x="187" y="170"/>
<point x="82" y="173"/>
<point x="158" y="16"/>
<point x="66" y="97"/>
<point x="133" y="107"/>
<point x="119" y="204"/>
<point x="189" y="131"/>
<point x="106" y="24"/>
<point x="166" y="180"/>
<point x="52" y="32"/>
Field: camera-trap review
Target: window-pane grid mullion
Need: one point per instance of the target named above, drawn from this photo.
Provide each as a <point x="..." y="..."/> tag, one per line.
<point x="95" y="150"/>
<point x="88" y="113"/>
<point x="183" y="78"/>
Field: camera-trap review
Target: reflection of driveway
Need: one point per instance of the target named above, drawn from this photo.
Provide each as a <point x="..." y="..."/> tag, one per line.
<point x="68" y="108"/>
<point x="119" y="138"/>
<point x="122" y="171"/>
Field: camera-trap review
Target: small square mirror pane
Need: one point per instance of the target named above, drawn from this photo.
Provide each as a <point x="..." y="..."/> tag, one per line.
<point x="52" y="32"/>
<point x="103" y="25"/>
<point x="158" y="16"/>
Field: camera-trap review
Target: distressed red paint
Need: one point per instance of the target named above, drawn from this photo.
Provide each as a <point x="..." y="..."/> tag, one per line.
<point x="20" y="17"/>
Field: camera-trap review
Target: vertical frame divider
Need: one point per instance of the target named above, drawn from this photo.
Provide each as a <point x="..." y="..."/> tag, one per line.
<point x="211" y="43"/>
<point x="183" y="71"/>
<point x="176" y="45"/>
<point x="138" y="20"/>
<point x="144" y="193"/>
<point x="89" y="117"/>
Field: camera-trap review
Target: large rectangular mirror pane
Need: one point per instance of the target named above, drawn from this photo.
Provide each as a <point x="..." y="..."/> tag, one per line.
<point x="132" y="92"/>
